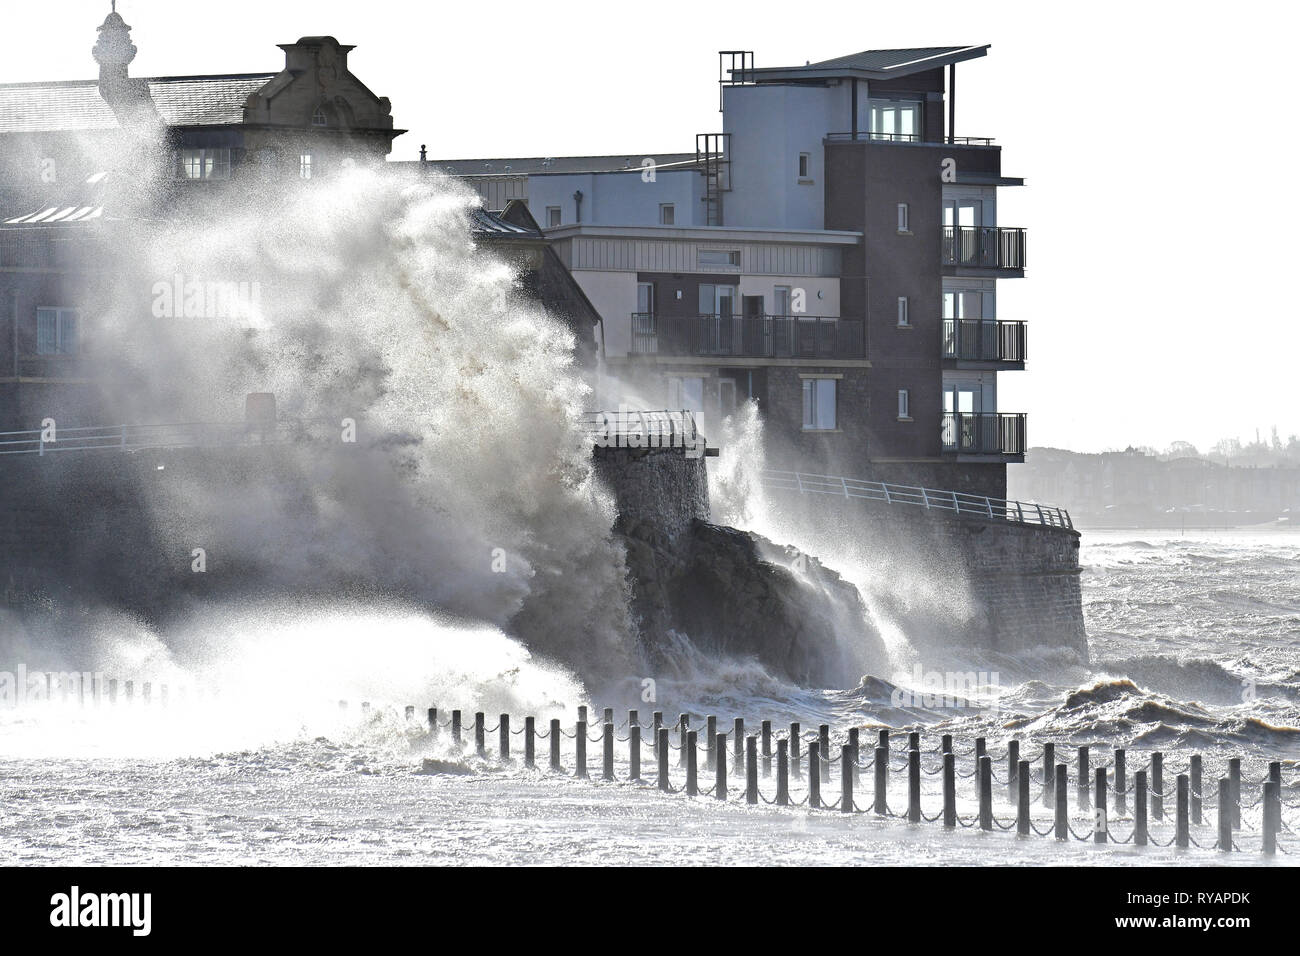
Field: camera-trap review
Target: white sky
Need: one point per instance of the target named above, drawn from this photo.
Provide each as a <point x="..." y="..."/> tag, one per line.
<point x="1152" y="137"/>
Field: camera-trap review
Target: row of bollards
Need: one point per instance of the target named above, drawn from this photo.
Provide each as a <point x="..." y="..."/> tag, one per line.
<point x="753" y="759"/>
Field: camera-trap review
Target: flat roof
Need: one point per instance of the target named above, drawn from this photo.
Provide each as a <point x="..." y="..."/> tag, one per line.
<point x="867" y="64"/>
<point x="553" y="165"/>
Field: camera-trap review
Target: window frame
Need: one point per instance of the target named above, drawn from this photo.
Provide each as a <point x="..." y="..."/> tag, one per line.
<point x="905" y="405"/>
<point x="811" y="385"/>
<point x="60" y="312"/>
<point x="194" y="159"/>
<point x="555" y="213"/>
<point x="904" y="312"/>
<point x="306" y="166"/>
<point x="670" y="208"/>
<point x="904" y="218"/>
<point x="804" y="168"/>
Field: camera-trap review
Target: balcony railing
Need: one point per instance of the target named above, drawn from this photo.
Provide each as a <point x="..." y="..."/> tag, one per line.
<point x="748" y="336"/>
<point x="983" y="340"/>
<point x="983" y="433"/>
<point x="862" y="136"/>
<point x="984" y="247"/>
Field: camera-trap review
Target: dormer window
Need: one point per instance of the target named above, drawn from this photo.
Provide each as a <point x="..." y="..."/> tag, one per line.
<point x="319" y="118"/>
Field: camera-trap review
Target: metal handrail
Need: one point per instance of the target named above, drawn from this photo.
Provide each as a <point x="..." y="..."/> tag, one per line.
<point x="143" y="437"/>
<point x="957" y="502"/>
<point x="864" y="136"/>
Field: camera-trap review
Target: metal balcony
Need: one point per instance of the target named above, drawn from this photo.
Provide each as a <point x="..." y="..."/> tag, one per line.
<point x="984" y="342"/>
<point x="984" y="247"/>
<point x="749" y="336"/>
<point x="983" y="433"/>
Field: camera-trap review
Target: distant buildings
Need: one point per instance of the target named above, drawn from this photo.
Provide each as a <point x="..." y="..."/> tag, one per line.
<point x="1135" y="489"/>
<point x="833" y="253"/>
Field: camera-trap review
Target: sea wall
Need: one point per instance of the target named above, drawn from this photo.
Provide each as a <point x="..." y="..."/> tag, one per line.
<point x="949" y="580"/>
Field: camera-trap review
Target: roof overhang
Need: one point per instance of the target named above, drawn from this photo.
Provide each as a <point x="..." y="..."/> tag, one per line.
<point x="831" y="70"/>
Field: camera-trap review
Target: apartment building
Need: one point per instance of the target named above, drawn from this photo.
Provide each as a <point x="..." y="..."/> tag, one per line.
<point x="832" y="253"/>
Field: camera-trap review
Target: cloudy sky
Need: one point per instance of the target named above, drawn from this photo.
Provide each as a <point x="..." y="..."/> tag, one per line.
<point x="1153" y="138"/>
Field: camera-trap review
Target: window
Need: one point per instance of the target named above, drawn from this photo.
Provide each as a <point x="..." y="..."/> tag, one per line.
<point x="686" y="393"/>
<point x="805" y="164"/>
<point x="306" y="165"/>
<point x="553" y="216"/>
<point x="904" y="405"/>
<point x="319" y="118"/>
<point x="903" y="320"/>
<point x="205" y="163"/>
<point x="819" y="404"/>
<point x="667" y="214"/>
<point x="56" y="331"/>
<point x="896" y="120"/>
<point x="902" y="217"/>
<point x="781" y="300"/>
<point x="717" y="257"/>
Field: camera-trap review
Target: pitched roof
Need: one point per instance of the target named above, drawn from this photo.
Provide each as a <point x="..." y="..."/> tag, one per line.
<point x="870" y="64"/>
<point x="76" y="105"/>
<point x="487" y="224"/>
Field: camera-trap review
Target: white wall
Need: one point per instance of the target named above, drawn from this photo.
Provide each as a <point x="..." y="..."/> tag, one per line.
<point x="829" y="287"/>
<point x="770" y="126"/>
<point x="617" y="198"/>
<point x="614" y="296"/>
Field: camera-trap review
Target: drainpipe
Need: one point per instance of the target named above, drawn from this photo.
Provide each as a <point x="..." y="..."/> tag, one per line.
<point x="577" y="200"/>
<point x="952" y="102"/>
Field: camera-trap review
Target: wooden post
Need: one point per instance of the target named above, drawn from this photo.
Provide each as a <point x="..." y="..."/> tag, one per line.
<point x="608" y="716"/>
<point x="633" y="751"/>
<point x="751" y="770"/>
<point x="148" y="694"/>
<point x="824" y="751"/>
<point x="945" y="744"/>
<point x="582" y="713"/>
<point x="795" y="737"/>
<point x="720" y="768"/>
<point x="112" y="690"/>
<point x="1234" y="778"/>
<point x="981" y="748"/>
<point x="814" y="777"/>
<point x="657" y="721"/>
<point x="783" y="773"/>
<point x="1275" y="771"/>
<point x="684" y="725"/>
<point x="1049" y="775"/>
<point x="504" y="745"/>
<point x="633" y="719"/>
<point x="847" y="767"/>
<point x="1022" y="799"/>
<point x="664" y="784"/>
<point x="1101" y="825"/>
<point x="479" y="746"/>
<point x="914" y="740"/>
<point x="857" y="748"/>
<point x="1182" y="808"/>
<point x="881" y="768"/>
<point x="410" y="712"/>
<point x="1195" y="770"/>
<point x="710" y="741"/>
<point x="580" y="750"/>
<point x="1084" y="774"/>
<point x="1225" y="815"/>
<point x="692" y="781"/>
<point x="986" y="792"/>
<point x="1140" y="808"/>
<point x="608" y="768"/>
<point x="1062" y="802"/>
<point x="766" y="730"/>
<point x="1271" y="799"/>
<point x="914" y="786"/>
<point x="738" y="747"/>
<point x="1013" y="770"/>
<point x="433" y="721"/>
<point x="1121" y="782"/>
<point x="555" y="743"/>
<point x="1157" y="786"/>
<point x="530" y="753"/>
<point x="949" y="789"/>
<point x="455" y="727"/>
<point x="130" y="691"/>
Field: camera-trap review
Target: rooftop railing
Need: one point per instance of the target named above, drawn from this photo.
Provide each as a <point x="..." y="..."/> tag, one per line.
<point x="861" y="136"/>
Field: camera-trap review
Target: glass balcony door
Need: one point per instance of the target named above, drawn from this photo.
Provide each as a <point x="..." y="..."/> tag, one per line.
<point x="717" y="309"/>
